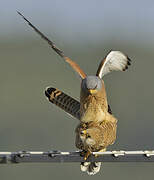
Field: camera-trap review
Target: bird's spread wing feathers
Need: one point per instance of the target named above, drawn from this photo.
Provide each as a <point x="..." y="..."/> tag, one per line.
<point x="114" y="61"/>
<point x="65" y="102"/>
<point x="57" y="50"/>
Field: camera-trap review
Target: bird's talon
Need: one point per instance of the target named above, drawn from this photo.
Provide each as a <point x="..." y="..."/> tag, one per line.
<point x="82" y="153"/>
<point x="87" y="154"/>
<point x="96" y="155"/>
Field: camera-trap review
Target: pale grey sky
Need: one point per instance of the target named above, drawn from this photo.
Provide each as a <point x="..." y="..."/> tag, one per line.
<point x="83" y="19"/>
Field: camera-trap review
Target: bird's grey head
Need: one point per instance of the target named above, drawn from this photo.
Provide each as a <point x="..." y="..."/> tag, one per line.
<point x="91" y="83"/>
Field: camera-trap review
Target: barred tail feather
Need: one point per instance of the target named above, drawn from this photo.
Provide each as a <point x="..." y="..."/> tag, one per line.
<point x="90" y="167"/>
<point x="65" y="102"/>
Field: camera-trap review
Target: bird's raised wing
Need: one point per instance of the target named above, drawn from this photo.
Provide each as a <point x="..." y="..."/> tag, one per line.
<point x="114" y="61"/>
<point x="57" y="50"/>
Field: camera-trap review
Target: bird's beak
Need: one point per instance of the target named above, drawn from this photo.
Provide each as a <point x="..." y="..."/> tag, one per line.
<point x="92" y="91"/>
<point x="84" y="132"/>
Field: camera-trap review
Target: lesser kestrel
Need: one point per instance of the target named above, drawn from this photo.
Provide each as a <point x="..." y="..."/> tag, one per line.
<point x="97" y="127"/>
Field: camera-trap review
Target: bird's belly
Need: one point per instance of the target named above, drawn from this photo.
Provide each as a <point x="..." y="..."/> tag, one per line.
<point x="96" y="114"/>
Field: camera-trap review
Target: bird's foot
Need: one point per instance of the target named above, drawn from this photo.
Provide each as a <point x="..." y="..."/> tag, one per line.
<point x="82" y="153"/>
<point x="102" y="150"/>
<point x="87" y="154"/>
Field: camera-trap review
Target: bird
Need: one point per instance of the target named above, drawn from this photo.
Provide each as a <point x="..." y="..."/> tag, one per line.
<point x="97" y="125"/>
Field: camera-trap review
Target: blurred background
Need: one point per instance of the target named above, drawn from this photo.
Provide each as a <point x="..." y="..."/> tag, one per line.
<point x="86" y="31"/>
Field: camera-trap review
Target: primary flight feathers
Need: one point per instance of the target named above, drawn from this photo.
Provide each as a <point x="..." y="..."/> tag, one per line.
<point x="114" y="61"/>
<point x="57" y="50"/>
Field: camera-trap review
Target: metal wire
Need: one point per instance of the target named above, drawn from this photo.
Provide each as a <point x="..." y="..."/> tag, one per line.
<point x="58" y="156"/>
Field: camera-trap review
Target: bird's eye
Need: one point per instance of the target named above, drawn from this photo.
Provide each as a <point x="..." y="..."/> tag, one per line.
<point x="82" y="133"/>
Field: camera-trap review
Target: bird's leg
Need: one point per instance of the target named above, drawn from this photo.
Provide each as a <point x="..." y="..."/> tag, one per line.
<point x="87" y="154"/>
<point x="102" y="150"/>
<point x="82" y="153"/>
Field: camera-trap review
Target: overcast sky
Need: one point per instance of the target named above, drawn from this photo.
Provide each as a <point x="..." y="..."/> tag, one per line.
<point x="88" y="18"/>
